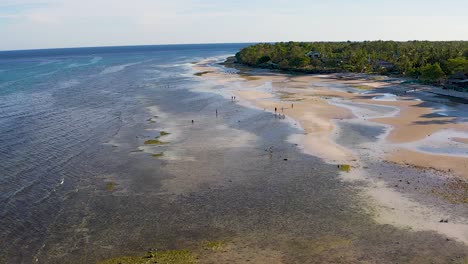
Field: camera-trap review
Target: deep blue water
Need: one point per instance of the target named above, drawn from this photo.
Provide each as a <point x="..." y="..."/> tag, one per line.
<point x="58" y="107"/>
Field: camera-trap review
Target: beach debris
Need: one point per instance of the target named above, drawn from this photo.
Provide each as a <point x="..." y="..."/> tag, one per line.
<point x="157" y="155"/>
<point x="285" y="159"/>
<point x="443" y="221"/>
<point x="345" y="167"/>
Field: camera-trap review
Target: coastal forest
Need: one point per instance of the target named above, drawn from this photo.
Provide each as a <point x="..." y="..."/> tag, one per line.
<point x="434" y="62"/>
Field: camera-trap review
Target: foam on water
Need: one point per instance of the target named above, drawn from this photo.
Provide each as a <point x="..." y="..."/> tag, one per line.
<point x="117" y="68"/>
<point x="91" y="62"/>
<point x="68" y="83"/>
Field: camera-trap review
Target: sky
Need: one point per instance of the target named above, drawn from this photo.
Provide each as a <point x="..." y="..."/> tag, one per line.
<point x="35" y="24"/>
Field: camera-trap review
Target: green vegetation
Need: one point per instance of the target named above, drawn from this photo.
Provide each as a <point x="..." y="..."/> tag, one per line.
<point x="154" y="142"/>
<point x="432" y="72"/>
<point x="431" y="62"/>
<point x="160" y="257"/>
<point x="157" y="155"/>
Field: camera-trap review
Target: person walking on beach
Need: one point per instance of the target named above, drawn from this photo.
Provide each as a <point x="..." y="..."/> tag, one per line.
<point x="216" y="112"/>
<point x="276" y="110"/>
<point x="292" y="105"/>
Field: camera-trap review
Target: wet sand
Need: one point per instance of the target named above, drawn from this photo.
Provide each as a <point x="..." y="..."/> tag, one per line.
<point x="247" y="180"/>
<point x="321" y="105"/>
<point x="415" y="119"/>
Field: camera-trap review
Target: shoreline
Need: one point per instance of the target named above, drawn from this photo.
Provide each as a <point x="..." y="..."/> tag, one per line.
<point x="156" y="163"/>
<point x="402" y="130"/>
<point x="319" y="109"/>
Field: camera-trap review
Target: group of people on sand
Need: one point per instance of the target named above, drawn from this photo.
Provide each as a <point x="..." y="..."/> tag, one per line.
<point x="277" y="114"/>
<point x="281" y="116"/>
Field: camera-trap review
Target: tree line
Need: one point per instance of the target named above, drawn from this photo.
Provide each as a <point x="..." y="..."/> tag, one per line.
<point x="429" y="61"/>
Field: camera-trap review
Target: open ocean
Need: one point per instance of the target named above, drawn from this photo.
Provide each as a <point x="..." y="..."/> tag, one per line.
<point x="58" y="110"/>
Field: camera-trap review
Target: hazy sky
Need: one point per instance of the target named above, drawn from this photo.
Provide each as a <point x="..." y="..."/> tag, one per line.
<point x="26" y="24"/>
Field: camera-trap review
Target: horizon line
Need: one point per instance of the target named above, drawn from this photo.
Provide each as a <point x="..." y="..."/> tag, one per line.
<point x="217" y="43"/>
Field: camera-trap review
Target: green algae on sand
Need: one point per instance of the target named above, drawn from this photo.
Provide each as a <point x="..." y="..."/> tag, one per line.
<point x="362" y="87"/>
<point x="214" y="245"/>
<point x="154" y="142"/>
<point x="160" y="257"/>
<point x="164" y="133"/>
<point x="157" y="155"/>
<point x="110" y="186"/>
<point x="345" y="167"/>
